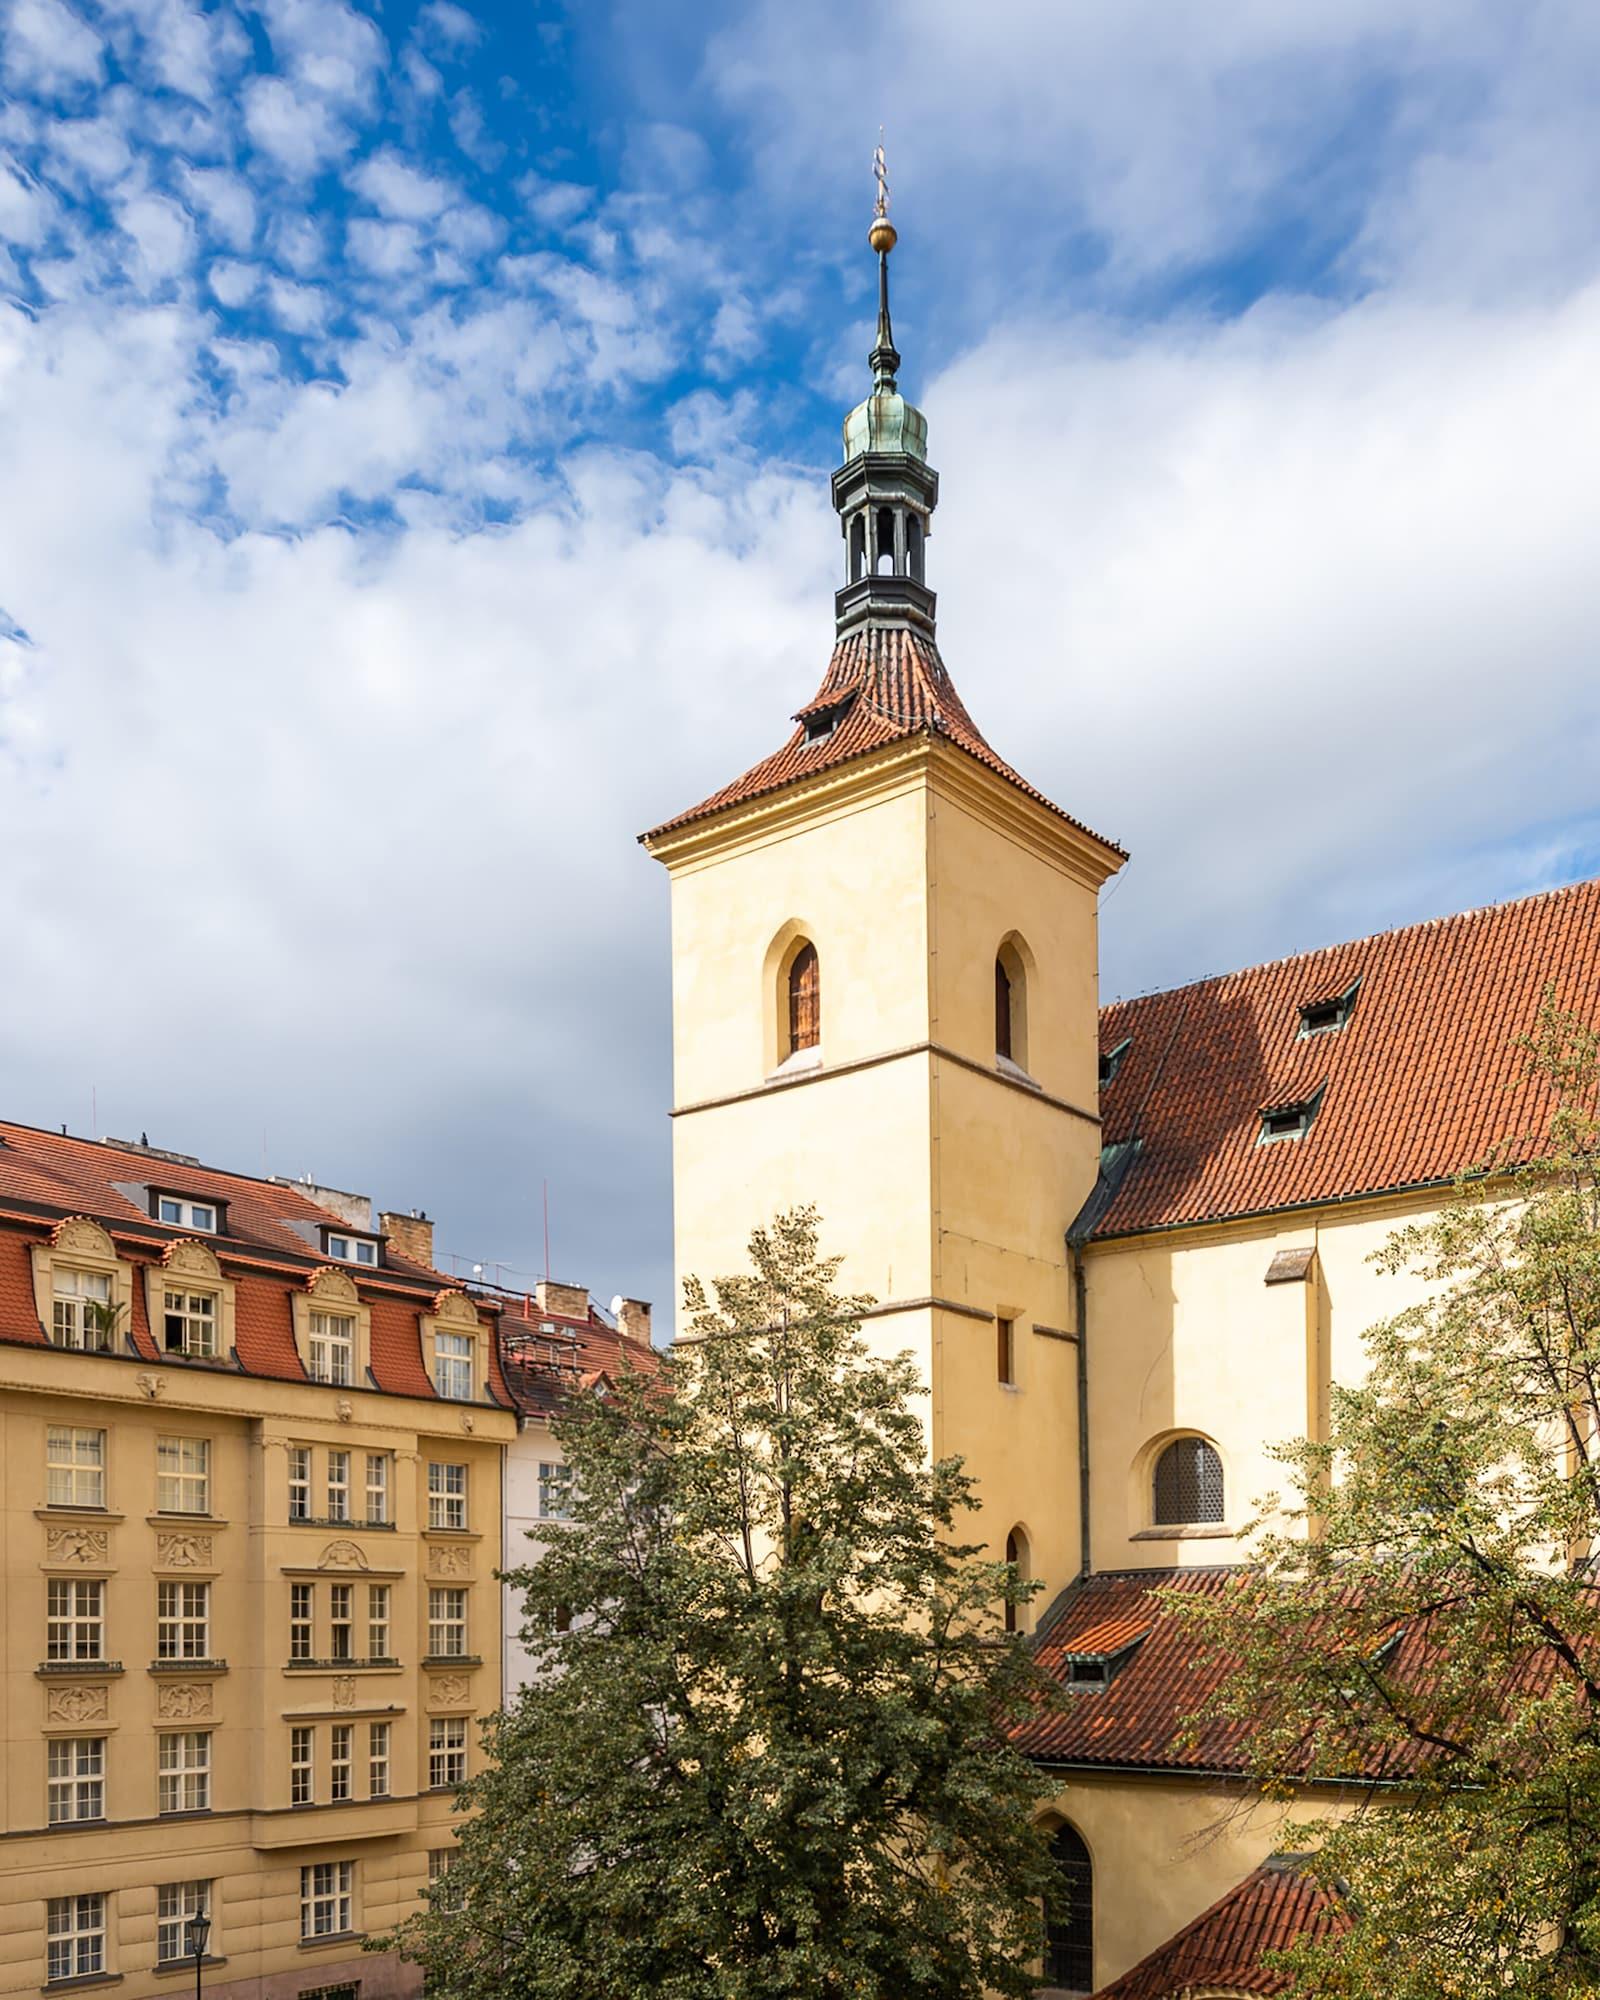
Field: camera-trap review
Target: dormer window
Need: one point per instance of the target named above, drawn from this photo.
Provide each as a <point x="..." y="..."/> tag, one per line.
<point x="179" y="1212"/>
<point x="1325" y="1016"/>
<point x="352" y="1249"/>
<point x="822" y="722"/>
<point x="1111" y="1060"/>
<point x="1288" y="1121"/>
<point x="1097" y="1668"/>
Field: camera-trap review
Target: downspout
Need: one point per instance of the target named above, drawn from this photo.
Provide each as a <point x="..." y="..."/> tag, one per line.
<point x="1080" y="1300"/>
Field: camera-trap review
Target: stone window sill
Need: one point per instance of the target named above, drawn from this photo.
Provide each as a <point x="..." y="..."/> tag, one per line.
<point x="451" y="1535"/>
<point x="74" y="1670"/>
<point x="182" y="1519"/>
<point x="452" y="1660"/>
<point x="331" y="1937"/>
<point x="185" y="1964"/>
<point x="1189" y="1531"/>
<point x="188" y="1666"/>
<point x="97" y="1515"/>
<point x="84" y="1979"/>
<point x="1016" y="1072"/>
<point x="798" y="1064"/>
<point x="323" y="1521"/>
<point x="386" y="1664"/>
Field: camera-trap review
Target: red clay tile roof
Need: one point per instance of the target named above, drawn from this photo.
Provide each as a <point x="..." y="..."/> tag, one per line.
<point x="45" y="1176"/>
<point x="1221" y="1950"/>
<point x="1421" y="1083"/>
<point x="540" y="1369"/>
<point x="889" y="686"/>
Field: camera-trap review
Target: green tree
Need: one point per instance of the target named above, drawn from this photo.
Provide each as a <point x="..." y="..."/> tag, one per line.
<point x="1424" y="1626"/>
<point x="766" y="1753"/>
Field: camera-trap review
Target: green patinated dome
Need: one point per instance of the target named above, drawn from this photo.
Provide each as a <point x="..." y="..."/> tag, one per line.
<point x="885" y="422"/>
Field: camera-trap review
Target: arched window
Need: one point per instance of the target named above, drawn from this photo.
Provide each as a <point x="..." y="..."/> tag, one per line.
<point x="886" y="563"/>
<point x="1188" y="1484"/>
<point x="805" y="1000"/>
<point x="1010" y="1005"/>
<point x="858" y="548"/>
<point x="1017" y="1556"/>
<point x="1069" y="1916"/>
<point x="914" y="546"/>
<point x="1002" y="1010"/>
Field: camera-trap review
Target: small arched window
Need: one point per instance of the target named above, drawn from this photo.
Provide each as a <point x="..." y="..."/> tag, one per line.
<point x="886" y="562"/>
<point x="1188" y="1484"/>
<point x="1002" y="1010"/>
<point x="1069" y="1915"/>
<point x="1017" y="1556"/>
<point x="858" y="548"/>
<point x="914" y="546"/>
<point x="1010" y="1005"/>
<point x="805" y="1000"/>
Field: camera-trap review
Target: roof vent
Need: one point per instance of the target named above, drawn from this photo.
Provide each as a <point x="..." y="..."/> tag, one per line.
<point x="1111" y="1060"/>
<point x="1328" y="1012"/>
<point x="1289" y="1120"/>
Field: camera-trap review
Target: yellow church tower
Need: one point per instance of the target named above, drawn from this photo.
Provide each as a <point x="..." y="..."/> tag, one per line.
<point x="885" y="1003"/>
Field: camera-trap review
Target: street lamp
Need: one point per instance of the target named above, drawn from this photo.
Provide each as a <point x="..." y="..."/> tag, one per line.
<point x="197" y="1930"/>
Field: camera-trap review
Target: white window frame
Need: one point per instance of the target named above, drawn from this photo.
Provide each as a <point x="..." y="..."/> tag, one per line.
<point x="447" y="1752"/>
<point x="379" y="1736"/>
<point x="447" y="1622"/>
<point x="183" y="1771"/>
<point x="341" y="1761"/>
<point x="338" y="1485"/>
<point x="302" y="1621"/>
<point x="453" y="1356"/>
<point x="302" y="1764"/>
<point x="440" y="1862"/>
<point x="380" y="1482"/>
<point x="75" y="1779"/>
<point x="447" y="1495"/>
<point x="75" y="1467"/>
<point x="176" y="1904"/>
<point x="183" y="1475"/>
<point x="196" y="1315"/>
<point x="378" y="1621"/>
<point x="299" y="1482"/>
<point x="75" y="1936"/>
<point x="555" y="1490"/>
<point x="327" y="1900"/>
<point x="333" y="1348"/>
<point x="74" y="1618"/>
<point x="341" y="1621"/>
<point x="176" y="1211"/>
<point x="72" y="1293"/>
<point x="183" y="1620"/>
<point x="362" y="1250"/>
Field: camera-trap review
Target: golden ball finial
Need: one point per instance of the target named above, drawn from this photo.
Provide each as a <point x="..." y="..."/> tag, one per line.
<point x="882" y="235"/>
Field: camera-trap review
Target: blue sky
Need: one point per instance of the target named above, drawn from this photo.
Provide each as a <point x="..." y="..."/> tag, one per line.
<point x="415" y="425"/>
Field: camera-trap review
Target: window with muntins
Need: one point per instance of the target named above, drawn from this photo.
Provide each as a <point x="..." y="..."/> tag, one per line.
<point x="1069" y="1916"/>
<point x="1188" y="1484"/>
<point x="353" y="1249"/>
<point x="180" y="1213"/>
<point x="447" y="1496"/>
<point x="299" y="1482"/>
<point x="805" y="1000"/>
<point x="447" y="1624"/>
<point x="341" y="1760"/>
<point x="378" y="1760"/>
<point x="447" y="1751"/>
<point x="76" y="1779"/>
<point x="75" y="1467"/>
<point x="75" y="1936"/>
<point x="341" y="1620"/>
<point x="183" y="1621"/>
<point x="189" y="1321"/>
<point x="183" y="1771"/>
<point x="555" y="1491"/>
<point x="377" y="1489"/>
<point x="452" y="1366"/>
<point x="302" y="1754"/>
<point x="183" y="1475"/>
<point x="327" y="1892"/>
<point x="333" y="1348"/>
<point x="338" y="1486"/>
<point x="377" y="1621"/>
<point x="301" y="1629"/>
<point x="81" y="1312"/>
<point x="176" y="1903"/>
<point x="75" y="1610"/>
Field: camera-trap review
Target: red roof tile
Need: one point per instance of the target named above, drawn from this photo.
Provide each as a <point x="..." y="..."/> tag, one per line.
<point x="1221" y="1950"/>
<point x="540" y="1368"/>
<point x="889" y="685"/>
<point x="1422" y="1082"/>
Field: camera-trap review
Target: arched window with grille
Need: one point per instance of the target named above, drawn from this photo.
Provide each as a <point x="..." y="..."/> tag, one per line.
<point x="1188" y="1484"/>
<point x="1017" y="1556"/>
<point x="1069" y="1915"/>
<point x="805" y="1000"/>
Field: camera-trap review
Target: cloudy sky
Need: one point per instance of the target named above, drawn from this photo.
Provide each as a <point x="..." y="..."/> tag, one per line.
<point x="414" y="428"/>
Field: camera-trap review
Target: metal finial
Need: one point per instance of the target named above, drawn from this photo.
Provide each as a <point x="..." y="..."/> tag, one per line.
<point x="882" y="233"/>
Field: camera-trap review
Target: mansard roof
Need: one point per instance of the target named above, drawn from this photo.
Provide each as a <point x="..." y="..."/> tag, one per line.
<point x="46" y="1177"/>
<point x="1418" y="1081"/>
<point x="1221" y="1951"/>
<point x="884" y="684"/>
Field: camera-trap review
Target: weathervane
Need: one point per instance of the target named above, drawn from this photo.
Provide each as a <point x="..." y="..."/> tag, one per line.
<point x="882" y="233"/>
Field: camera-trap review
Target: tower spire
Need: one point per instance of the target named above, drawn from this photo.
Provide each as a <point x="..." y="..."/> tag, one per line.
<point x="884" y="360"/>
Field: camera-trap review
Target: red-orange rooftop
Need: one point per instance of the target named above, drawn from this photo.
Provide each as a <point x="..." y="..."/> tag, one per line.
<point x="1222" y="1950"/>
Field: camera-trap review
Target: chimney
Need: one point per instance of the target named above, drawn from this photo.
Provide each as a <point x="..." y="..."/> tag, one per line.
<point x="569" y="1301"/>
<point x="355" y="1209"/>
<point x="409" y="1236"/>
<point x="633" y="1319"/>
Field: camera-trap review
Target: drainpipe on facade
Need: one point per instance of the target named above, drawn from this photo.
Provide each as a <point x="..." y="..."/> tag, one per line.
<point x="1080" y="1299"/>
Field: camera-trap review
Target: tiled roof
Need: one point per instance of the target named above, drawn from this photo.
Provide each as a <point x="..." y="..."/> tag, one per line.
<point x="540" y="1369"/>
<point x="1422" y="1081"/>
<point x="889" y="685"/>
<point x="45" y="1176"/>
<point x="1135" y="1720"/>
<point x="1221" y="1951"/>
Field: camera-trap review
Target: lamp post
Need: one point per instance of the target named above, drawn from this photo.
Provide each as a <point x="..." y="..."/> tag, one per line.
<point x="198" y="1929"/>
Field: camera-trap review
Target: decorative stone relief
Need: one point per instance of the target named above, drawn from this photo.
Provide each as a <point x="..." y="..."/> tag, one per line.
<point x="79" y="1237"/>
<point x="77" y="1545"/>
<point x="344" y="1690"/>
<point x="448" y="1691"/>
<point x="344" y="1409"/>
<point x="76" y="1704"/>
<point x="342" y="1555"/>
<point x="183" y="1701"/>
<point x="449" y="1559"/>
<point x="152" y="1385"/>
<point x="467" y="1421"/>
<point x="191" y="1258"/>
<point x="184" y="1551"/>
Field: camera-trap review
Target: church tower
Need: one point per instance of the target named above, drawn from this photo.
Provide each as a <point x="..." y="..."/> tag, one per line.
<point x="885" y="1004"/>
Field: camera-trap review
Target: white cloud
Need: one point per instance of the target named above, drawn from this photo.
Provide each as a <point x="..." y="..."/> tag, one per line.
<point x="298" y="308"/>
<point x="326" y="47"/>
<point x="162" y="235"/>
<point x="400" y="191"/>
<point x="298" y="241"/>
<point x="95" y="150"/>
<point x="25" y="207"/>
<point x="451" y="24"/>
<point x="225" y="198"/>
<point x="299" y="132"/>
<point x="232" y="281"/>
<point x="182" y="47"/>
<point x="47" y="47"/>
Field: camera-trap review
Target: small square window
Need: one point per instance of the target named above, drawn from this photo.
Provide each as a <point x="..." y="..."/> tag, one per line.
<point x="352" y="1249"/>
<point x="178" y="1212"/>
<point x="1288" y="1121"/>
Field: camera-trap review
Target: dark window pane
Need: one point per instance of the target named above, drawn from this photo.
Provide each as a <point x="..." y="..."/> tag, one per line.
<point x="805" y="1000"/>
<point x="1188" y="1483"/>
<point x="1069" y="1916"/>
<point x="1002" y="1011"/>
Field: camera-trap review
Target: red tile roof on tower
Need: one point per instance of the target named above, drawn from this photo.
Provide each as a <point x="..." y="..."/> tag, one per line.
<point x="1422" y="1081"/>
<point x="269" y="1243"/>
<point x="888" y="686"/>
<point x="1221" y="1951"/>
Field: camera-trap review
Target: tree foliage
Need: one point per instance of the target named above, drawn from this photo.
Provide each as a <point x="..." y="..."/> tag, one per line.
<point x="1424" y="1626"/>
<point x="764" y="1755"/>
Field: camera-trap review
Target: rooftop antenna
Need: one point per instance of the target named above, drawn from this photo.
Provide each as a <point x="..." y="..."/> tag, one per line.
<point x="547" y="1232"/>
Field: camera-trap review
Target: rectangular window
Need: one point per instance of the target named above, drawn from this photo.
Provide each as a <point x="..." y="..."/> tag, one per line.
<point x="74" y="1619"/>
<point x="377" y="1489"/>
<point x="183" y="1475"/>
<point x="327" y="1899"/>
<point x="378" y="1760"/>
<point x="181" y="1214"/>
<point x="447" y="1496"/>
<point x="300" y="1622"/>
<point x="447" y="1624"/>
<point x="75" y="1936"/>
<point x="190" y="1323"/>
<point x="452" y="1365"/>
<point x="447" y="1751"/>
<point x="352" y="1249"/>
<point x="333" y="1348"/>
<point x="341" y="1758"/>
<point x="183" y="1771"/>
<point x="1005" y="1350"/>
<point x="555" y="1491"/>
<point x="299" y="1482"/>
<point x="341" y="1620"/>
<point x="338" y="1486"/>
<point x="75" y="1467"/>
<point x="377" y="1621"/>
<point x="81" y="1311"/>
<point x="176" y="1903"/>
<point x="440" y="1894"/>
<point x="183" y="1621"/>
<point x="77" y="1779"/>
<point x="302" y="1752"/>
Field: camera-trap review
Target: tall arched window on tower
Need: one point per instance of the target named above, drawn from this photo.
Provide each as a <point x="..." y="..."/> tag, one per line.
<point x="805" y="1000"/>
<point x="1002" y="1010"/>
<point x="1188" y="1484"/>
<point x="858" y="548"/>
<point x="886" y="562"/>
<point x="1069" y="1916"/>
<point x="1017" y="1556"/>
<point x="1010" y="1006"/>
